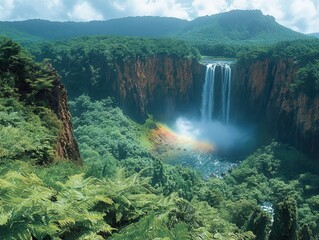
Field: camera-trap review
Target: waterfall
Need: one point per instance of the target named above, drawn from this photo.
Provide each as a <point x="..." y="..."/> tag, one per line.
<point x="216" y="93"/>
<point x="207" y="96"/>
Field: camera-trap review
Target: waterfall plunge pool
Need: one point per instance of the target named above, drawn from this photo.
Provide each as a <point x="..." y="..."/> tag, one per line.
<point x="211" y="145"/>
<point x="204" y="146"/>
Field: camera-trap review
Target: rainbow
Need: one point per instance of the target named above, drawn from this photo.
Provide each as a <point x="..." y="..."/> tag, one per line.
<point x="165" y="140"/>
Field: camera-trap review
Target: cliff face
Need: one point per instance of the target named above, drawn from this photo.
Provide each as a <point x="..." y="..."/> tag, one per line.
<point x="262" y="94"/>
<point x="66" y="145"/>
<point x="161" y="85"/>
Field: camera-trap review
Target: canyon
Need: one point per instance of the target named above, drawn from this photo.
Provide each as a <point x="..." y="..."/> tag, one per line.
<point x="168" y="86"/>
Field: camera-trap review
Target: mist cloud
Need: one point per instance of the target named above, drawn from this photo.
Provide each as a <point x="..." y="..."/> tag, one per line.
<point x="220" y="135"/>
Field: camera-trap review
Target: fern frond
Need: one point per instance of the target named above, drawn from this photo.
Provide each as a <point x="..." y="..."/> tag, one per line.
<point x="91" y="236"/>
<point x="66" y="222"/>
<point x="104" y="199"/>
<point x="5" y="184"/>
<point x="4" y="217"/>
<point x="118" y="216"/>
<point x="75" y="181"/>
<point x="14" y="176"/>
<point x="40" y="230"/>
<point x="94" y="217"/>
<point x="25" y="235"/>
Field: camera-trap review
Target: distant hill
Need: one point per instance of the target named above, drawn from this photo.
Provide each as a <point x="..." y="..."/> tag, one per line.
<point x="238" y="26"/>
<point x="314" y="35"/>
<point x="246" y="26"/>
<point x="129" y="26"/>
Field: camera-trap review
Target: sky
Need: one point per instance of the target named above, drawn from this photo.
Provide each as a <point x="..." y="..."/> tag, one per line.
<point x="299" y="15"/>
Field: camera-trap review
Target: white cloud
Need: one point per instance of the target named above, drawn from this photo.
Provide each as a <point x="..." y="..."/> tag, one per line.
<point x="84" y="12"/>
<point x="54" y="4"/>
<point x="274" y="8"/>
<point x="6" y="7"/>
<point x="167" y="8"/>
<point x="305" y="13"/>
<point x="207" y="7"/>
<point x="299" y="15"/>
<point x="239" y="4"/>
<point x="119" y="6"/>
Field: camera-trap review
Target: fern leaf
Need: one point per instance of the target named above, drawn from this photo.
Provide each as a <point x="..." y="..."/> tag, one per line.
<point x="75" y="181"/>
<point x="118" y="216"/>
<point x="5" y="184"/>
<point x="91" y="236"/>
<point x="66" y="222"/>
<point x="104" y="199"/>
<point x="4" y="218"/>
<point x="94" y="217"/>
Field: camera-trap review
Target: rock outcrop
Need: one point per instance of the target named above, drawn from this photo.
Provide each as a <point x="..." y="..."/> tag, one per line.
<point x="262" y="94"/>
<point x="66" y="145"/>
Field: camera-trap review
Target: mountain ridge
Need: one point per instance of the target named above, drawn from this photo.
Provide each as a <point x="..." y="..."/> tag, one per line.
<point x="237" y="26"/>
<point x="314" y="34"/>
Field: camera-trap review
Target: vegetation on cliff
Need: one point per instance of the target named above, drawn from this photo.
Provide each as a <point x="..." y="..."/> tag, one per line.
<point x="86" y="64"/>
<point x="304" y="53"/>
<point x="29" y="128"/>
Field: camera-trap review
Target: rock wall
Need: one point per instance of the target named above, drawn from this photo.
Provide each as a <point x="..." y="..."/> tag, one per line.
<point x="262" y="94"/>
<point x="162" y="85"/>
<point x="56" y="99"/>
<point x="66" y="145"/>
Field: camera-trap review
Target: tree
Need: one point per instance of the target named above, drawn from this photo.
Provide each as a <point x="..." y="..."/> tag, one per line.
<point x="285" y="221"/>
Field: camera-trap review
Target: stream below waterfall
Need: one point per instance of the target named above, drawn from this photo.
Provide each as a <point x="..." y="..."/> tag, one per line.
<point x="208" y="165"/>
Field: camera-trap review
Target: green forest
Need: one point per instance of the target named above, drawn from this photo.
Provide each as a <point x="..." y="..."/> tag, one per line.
<point x="123" y="188"/>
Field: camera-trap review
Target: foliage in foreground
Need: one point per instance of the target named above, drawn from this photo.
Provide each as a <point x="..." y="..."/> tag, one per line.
<point x="27" y="132"/>
<point x="135" y="196"/>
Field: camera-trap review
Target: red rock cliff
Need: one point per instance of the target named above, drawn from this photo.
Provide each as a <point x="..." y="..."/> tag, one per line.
<point x="162" y="85"/>
<point x="262" y="93"/>
<point x="66" y="145"/>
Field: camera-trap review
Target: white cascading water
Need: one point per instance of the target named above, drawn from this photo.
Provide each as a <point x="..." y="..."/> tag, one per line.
<point x="214" y="128"/>
<point x="209" y="97"/>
